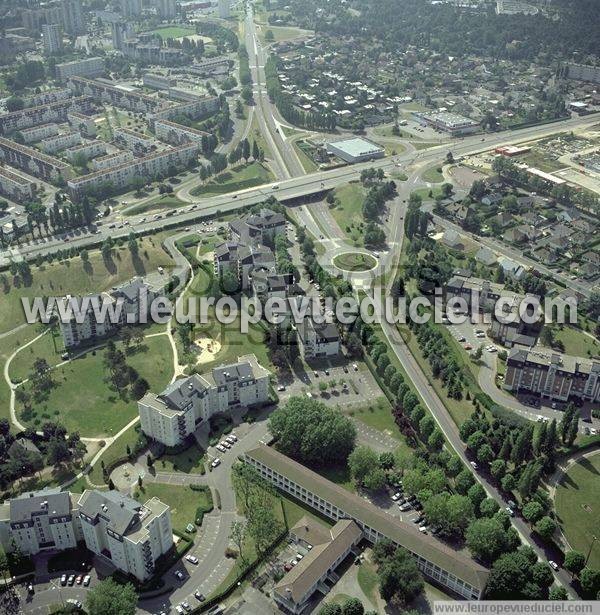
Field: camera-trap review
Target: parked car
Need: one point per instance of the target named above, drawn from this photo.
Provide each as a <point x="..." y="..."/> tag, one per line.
<point x="86" y="580"/>
<point x="178" y="575"/>
<point x="192" y="559"/>
<point x="215" y="462"/>
<point x="199" y="596"/>
<point x="30" y="589"/>
<point x="186" y="606"/>
<point x="473" y="465"/>
<point x="225" y="444"/>
<point x="281" y="387"/>
<point x="553" y="565"/>
<point x="63" y="580"/>
<point x="510" y="511"/>
<point x="71" y="580"/>
<point x="233" y="437"/>
<point x="396" y="497"/>
<point x="221" y="448"/>
<point x="79" y="579"/>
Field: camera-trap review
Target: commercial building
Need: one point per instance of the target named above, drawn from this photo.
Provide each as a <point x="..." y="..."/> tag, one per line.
<point x="171" y="416"/>
<point x="126" y="534"/>
<point x="355" y="149"/>
<point x="84" y="325"/>
<point x="553" y="376"/>
<point x="90" y="67"/>
<point x="207" y="67"/>
<point x="451" y="568"/>
<point x="156" y="165"/>
<point x="43" y="114"/>
<point x="56" y="143"/>
<point x="51" y="38"/>
<point x="452" y="123"/>
<point x="327" y="549"/>
<point x="33" y="162"/>
<point x="16" y="187"/>
<point x="318" y="340"/>
<point x="177" y="134"/>
<point x="129" y="535"/>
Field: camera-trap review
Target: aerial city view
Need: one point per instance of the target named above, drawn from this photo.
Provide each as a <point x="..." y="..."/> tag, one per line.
<point x="299" y="307"/>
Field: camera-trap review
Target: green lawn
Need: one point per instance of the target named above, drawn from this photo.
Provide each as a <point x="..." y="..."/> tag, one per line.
<point x="433" y="175"/>
<point x="281" y="33"/>
<point x="577" y="502"/>
<point x="308" y="164"/>
<point x="116" y="450"/>
<point x="354" y="261"/>
<point x="50" y="347"/>
<point x="348" y="213"/>
<point x="190" y="461"/>
<point x="238" y="178"/>
<point x="94" y="409"/>
<point x="368" y="580"/>
<point x="75" y="277"/>
<point x="340" y="475"/>
<point x="173" y="32"/>
<point x="164" y="201"/>
<point x="378" y="414"/>
<point x="183" y="501"/>
<point x="576" y="342"/>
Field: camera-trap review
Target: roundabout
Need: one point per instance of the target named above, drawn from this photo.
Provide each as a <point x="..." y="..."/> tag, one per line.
<point x="354" y="262"/>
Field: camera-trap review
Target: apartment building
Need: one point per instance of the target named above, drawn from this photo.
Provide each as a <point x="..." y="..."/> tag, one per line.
<point x="171" y="416"/>
<point x="34" y="18"/>
<point x="451" y="568"/>
<point x="158" y="82"/>
<point x="243" y="260"/>
<point x="207" y="67"/>
<point x="43" y="114"/>
<point x="194" y="109"/>
<point x="37" y="133"/>
<point x="129" y="535"/>
<point x="111" y="160"/>
<point x="57" y="143"/>
<point x="72" y="17"/>
<point x="40" y="521"/>
<point x="134" y="298"/>
<point x="552" y="376"/>
<point x="177" y="134"/>
<point x="137" y="141"/>
<point x="318" y="340"/>
<point x="258" y="228"/>
<point x="15" y="186"/>
<point x="47" y="96"/>
<point x="166" y="9"/>
<point x="33" y="162"/>
<point x="155" y="165"/>
<point x="51" y="38"/>
<point x="88" y="67"/>
<point x="151" y="52"/>
<point x="88" y="149"/>
<point x="327" y="549"/>
<point x="132" y="101"/>
<point x="83" y="123"/>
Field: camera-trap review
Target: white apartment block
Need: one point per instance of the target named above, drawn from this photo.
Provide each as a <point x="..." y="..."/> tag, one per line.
<point x="15" y="186"/>
<point x="40" y="521"/>
<point x="446" y="565"/>
<point x="51" y="37"/>
<point x="88" y="149"/>
<point x="194" y="109"/>
<point x="111" y="160"/>
<point x="137" y="141"/>
<point x="37" y="133"/>
<point x="134" y="297"/>
<point x="177" y="134"/>
<point x="43" y="114"/>
<point x="158" y="82"/>
<point x="83" y="123"/>
<point x="171" y="416"/>
<point x="33" y="162"/>
<point x="57" y="143"/>
<point x="150" y="167"/>
<point x="47" y="96"/>
<point x="89" y="67"/>
<point x="129" y="535"/>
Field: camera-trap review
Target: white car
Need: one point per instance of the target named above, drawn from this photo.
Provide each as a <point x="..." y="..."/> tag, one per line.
<point x="225" y="444"/>
<point x="192" y="559"/>
<point x="473" y="465"/>
<point x="178" y="575"/>
<point x="553" y="565"/>
<point x="221" y="448"/>
<point x="230" y="440"/>
<point x="215" y="462"/>
<point x="233" y="437"/>
<point x="396" y="497"/>
<point x="510" y="511"/>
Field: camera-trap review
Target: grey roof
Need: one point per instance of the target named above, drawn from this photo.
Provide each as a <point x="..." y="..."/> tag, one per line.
<point x="121" y="512"/>
<point x="234" y="371"/>
<point x="21" y="508"/>
<point x="326" y="330"/>
<point x="227" y="250"/>
<point x="363" y="512"/>
<point x="130" y="290"/>
<point x="179" y="393"/>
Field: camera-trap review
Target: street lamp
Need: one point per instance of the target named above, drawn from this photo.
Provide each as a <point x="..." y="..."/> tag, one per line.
<point x="594" y="539"/>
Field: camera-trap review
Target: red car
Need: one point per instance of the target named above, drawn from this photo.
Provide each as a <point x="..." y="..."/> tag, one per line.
<point x="79" y="579"/>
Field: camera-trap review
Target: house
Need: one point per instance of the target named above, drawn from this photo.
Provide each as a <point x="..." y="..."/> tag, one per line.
<point x="453" y="240"/>
<point x="591" y="257"/>
<point x="485" y="256"/>
<point x="568" y="216"/>
<point x="318" y="340"/>
<point x="516" y="235"/>
<point x="494" y="198"/>
<point x="243" y="260"/>
<point x="504" y="219"/>
<point x="511" y="268"/>
<point x="546" y="255"/>
<point x="21" y="446"/>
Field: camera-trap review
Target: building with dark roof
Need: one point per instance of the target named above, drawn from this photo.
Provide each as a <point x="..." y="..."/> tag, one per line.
<point x="258" y="228"/>
<point x="451" y="568"/>
<point x="318" y="340"/>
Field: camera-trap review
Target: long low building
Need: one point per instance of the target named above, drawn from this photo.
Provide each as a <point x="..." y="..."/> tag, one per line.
<point x="453" y="569"/>
<point x="452" y="123"/>
<point x="15" y="186"/>
<point x="171" y="416"/>
<point x="177" y="134"/>
<point x="148" y="168"/>
<point x="116" y="528"/>
<point x="553" y="376"/>
<point x="33" y="162"/>
<point x="356" y="149"/>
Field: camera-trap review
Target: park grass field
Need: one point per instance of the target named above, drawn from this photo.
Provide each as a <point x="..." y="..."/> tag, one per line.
<point x="190" y="461"/>
<point x="173" y="32"/>
<point x="161" y="202"/>
<point x="82" y="401"/>
<point x="433" y="175"/>
<point x="576" y="342"/>
<point x="238" y="178"/>
<point x="74" y="276"/>
<point x="577" y="502"/>
<point x="348" y="213"/>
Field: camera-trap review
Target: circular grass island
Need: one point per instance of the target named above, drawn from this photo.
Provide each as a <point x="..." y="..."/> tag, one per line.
<point x="354" y="261"/>
<point x="577" y="502"/>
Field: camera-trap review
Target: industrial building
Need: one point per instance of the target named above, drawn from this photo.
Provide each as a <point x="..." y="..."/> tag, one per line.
<point x="355" y="149"/>
<point x="452" y="123"/>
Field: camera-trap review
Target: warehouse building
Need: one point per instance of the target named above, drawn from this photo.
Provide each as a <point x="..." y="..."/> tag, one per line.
<point x="356" y="149"/>
<point x="452" y="123"/>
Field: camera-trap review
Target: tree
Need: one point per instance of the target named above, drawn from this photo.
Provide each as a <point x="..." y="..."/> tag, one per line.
<point x="546" y="527"/>
<point x="590" y="581"/>
<point x="3" y="564"/>
<point x="310" y="431"/>
<point x="486" y="539"/>
<point x="533" y="511"/>
<point x="399" y="578"/>
<point x="541" y="573"/>
<point x="238" y="536"/>
<point x="362" y="461"/>
<point x="507" y="578"/>
<point x="330" y="609"/>
<point x="110" y="598"/>
<point x="558" y="593"/>
<point x="353" y="606"/>
<point x="574" y="562"/>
